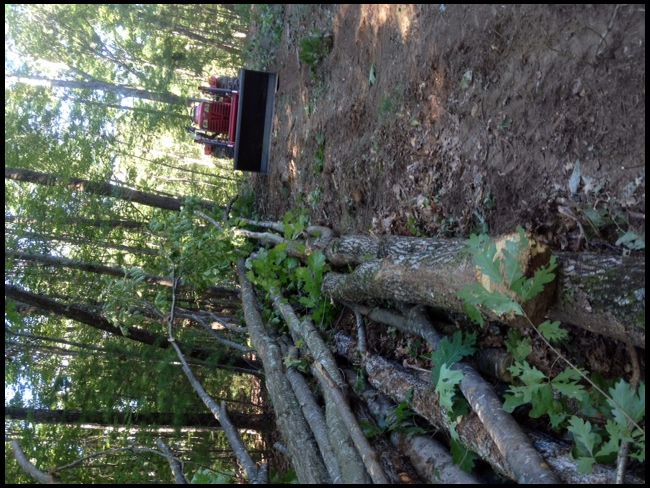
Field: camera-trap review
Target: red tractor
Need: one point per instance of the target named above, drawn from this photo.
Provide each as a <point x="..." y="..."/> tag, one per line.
<point x="236" y="121"/>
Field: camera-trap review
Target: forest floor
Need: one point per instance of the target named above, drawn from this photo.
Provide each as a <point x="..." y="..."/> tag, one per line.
<point x="443" y="120"/>
<point x="480" y="118"/>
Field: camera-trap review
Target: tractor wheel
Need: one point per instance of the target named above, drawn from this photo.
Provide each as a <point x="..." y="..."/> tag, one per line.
<point x="223" y="152"/>
<point x="229" y="83"/>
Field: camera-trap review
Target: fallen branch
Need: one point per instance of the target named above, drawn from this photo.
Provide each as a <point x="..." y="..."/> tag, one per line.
<point x="431" y="460"/>
<point x="315" y="418"/>
<point x="304" y="454"/>
<point x="29" y="468"/>
<point x="396" y="382"/>
<point x="219" y="411"/>
<point x="306" y="331"/>
<point x="174" y="464"/>
<point x="368" y="454"/>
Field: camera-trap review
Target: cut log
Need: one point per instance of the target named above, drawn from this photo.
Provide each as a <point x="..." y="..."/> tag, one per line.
<point x="603" y="294"/>
<point x="300" y="442"/>
<point x="431" y="460"/>
<point x="396" y="382"/>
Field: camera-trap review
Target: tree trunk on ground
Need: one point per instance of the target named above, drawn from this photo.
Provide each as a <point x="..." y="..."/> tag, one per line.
<point x="43" y="416"/>
<point x="81" y="314"/>
<point x="104" y="189"/>
<point x="604" y="294"/>
<point x="304" y="453"/>
<point x="512" y="443"/>
<point x="397" y="382"/>
<point x="431" y="460"/>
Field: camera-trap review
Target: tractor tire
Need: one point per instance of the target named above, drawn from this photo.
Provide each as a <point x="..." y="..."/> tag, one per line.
<point x="223" y="152"/>
<point x="229" y="83"/>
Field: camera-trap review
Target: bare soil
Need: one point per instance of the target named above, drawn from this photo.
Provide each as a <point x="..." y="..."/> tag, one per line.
<point x="476" y="121"/>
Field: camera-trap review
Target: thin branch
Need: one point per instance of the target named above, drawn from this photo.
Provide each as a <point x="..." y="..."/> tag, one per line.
<point x="175" y="465"/>
<point x="219" y="412"/>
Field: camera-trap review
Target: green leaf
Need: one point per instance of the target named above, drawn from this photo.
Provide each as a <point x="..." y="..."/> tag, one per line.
<point x="462" y="457"/>
<point x="586" y="440"/>
<point x="445" y="387"/>
<point x="473" y="313"/>
<point x="449" y="352"/>
<point x="566" y="383"/>
<point x="552" y="331"/>
<point x="518" y="346"/>
<point x="372" y="76"/>
<point x="585" y="464"/>
<point x="631" y="240"/>
<point x="542" y="401"/>
<point x="527" y="289"/>
<point x="485" y="261"/>
<point x="628" y="401"/>
<point x="528" y="374"/>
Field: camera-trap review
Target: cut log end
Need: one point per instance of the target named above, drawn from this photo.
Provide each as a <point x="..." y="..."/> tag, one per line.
<point x="532" y="257"/>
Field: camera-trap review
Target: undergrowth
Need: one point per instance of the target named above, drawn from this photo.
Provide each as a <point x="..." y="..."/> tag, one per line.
<point x="570" y="398"/>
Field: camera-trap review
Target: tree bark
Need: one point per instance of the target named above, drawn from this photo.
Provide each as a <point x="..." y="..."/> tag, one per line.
<point x="604" y="294"/>
<point x="29" y="468"/>
<point x="516" y="448"/>
<point x="97" y="188"/>
<point x="174" y="464"/>
<point x="303" y="449"/>
<point x="43" y="416"/>
<point x="431" y="460"/>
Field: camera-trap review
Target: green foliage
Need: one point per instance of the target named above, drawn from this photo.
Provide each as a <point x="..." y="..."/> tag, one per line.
<point x="449" y="352"/>
<point x="517" y="345"/>
<point x="205" y="476"/>
<point x="300" y="364"/>
<point x="632" y="241"/>
<point x="294" y="222"/>
<point x="504" y="269"/>
<point x="555" y="397"/>
<point x="274" y="268"/>
<point x="314" y="48"/>
<point x="462" y="456"/>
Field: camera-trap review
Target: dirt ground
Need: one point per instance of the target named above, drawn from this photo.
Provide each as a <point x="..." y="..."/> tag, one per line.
<point x="480" y="118"/>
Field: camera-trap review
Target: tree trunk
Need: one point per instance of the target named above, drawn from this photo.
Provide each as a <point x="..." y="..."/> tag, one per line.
<point x="44" y="416"/>
<point x="604" y="294"/>
<point x="104" y="189"/>
<point x="212" y="292"/>
<point x="397" y="383"/>
<point x="81" y="314"/>
<point x="81" y="241"/>
<point x="106" y="224"/>
<point x="120" y="90"/>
